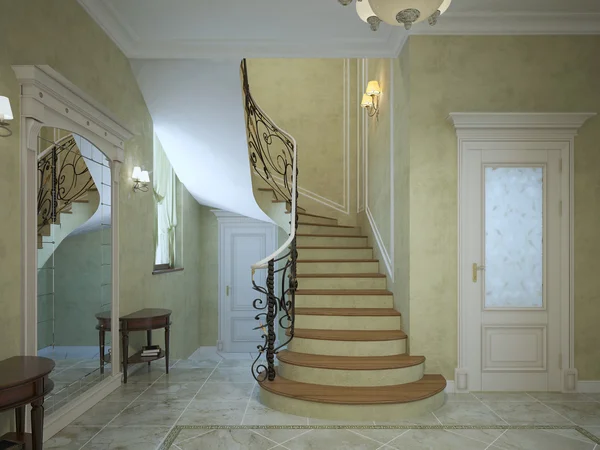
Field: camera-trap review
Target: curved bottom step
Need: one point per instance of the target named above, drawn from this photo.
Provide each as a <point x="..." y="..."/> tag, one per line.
<point x="381" y="403"/>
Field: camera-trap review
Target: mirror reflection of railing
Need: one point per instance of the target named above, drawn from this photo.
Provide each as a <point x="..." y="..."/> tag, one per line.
<point x="63" y="177"/>
<point x="274" y="158"/>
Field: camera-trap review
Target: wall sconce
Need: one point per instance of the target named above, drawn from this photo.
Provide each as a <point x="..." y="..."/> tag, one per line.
<point x="370" y="100"/>
<point x="140" y="178"/>
<point x="5" y="115"/>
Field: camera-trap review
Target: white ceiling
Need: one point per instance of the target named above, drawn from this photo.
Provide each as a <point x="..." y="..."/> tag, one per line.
<point x="313" y="28"/>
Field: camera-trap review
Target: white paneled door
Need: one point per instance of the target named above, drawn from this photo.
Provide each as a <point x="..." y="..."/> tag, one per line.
<point x="511" y="243"/>
<point x="242" y="242"/>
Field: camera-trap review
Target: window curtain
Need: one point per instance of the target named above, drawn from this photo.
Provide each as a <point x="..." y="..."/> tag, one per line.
<point x="164" y="193"/>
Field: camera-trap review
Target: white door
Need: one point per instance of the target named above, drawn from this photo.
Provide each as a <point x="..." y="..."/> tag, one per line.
<point x="511" y="244"/>
<point x="243" y="242"/>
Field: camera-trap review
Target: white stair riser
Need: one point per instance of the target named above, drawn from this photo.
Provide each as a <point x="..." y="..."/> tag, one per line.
<point x="335" y="253"/>
<point x="344" y="301"/>
<point x="341" y="283"/>
<point x="316" y="220"/>
<point x="317" y="230"/>
<point x="348" y="322"/>
<point x="326" y="241"/>
<point x="347" y="348"/>
<point x="331" y="377"/>
<point x="338" y="267"/>
<point x="367" y="413"/>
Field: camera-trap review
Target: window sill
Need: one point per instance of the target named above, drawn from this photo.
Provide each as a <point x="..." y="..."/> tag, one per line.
<point x="161" y="271"/>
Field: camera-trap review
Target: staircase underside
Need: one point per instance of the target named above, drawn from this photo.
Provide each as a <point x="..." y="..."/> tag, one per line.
<point x="348" y="359"/>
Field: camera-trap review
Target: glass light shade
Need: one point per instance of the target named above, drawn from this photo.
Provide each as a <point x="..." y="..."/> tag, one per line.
<point x="364" y="10"/>
<point x="145" y="177"/>
<point x="137" y="174"/>
<point x="373" y="88"/>
<point x="5" y="111"/>
<point x="444" y="6"/>
<point x="367" y="101"/>
<point x="387" y="10"/>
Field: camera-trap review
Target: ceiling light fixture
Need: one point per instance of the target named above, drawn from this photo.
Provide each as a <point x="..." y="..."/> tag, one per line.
<point x="399" y="12"/>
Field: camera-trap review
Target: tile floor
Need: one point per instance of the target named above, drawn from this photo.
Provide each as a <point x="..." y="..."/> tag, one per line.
<point x="198" y="394"/>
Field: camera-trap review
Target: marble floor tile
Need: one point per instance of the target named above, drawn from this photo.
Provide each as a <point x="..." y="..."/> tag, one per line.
<point x="164" y="390"/>
<point x="461" y="398"/>
<point x="595" y="430"/>
<point x="381" y="436"/>
<point x="225" y="392"/>
<point x="536" y="440"/>
<point x="487" y="397"/>
<point x="331" y="440"/>
<point x="204" y="413"/>
<point x="100" y="414"/>
<point x="163" y="413"/>
<point x="486" y="436"/>
<point x="227" y="440"/>
<point x="237" y="363"/>
<point x="128" y="438"/>
<point x="312" y="421"/>
<point x="435" y="439"/>
<point x="527" y="414"/>
<point x="467" y="414"/>
<point x="582" y="413"/>
<point x="261" y="415"/>
<point x="231" y="375"/>
<point x="595" y="397"/>
<point x="71" y="438"/>
<point x="126" y="393"/>
<point x="560" y="397"/>
<point x="188" y="375"/>
<point x="572" y="434"/>
<point x="425" y="419"/>
<point x="197" y="364"/>
<point x="280" y="435"/>
<point x="144" y="375"/>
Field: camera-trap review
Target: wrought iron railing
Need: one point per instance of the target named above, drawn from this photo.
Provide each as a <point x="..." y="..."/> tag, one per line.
<point x="63" y="177"/>
<point x="274" y="158"/>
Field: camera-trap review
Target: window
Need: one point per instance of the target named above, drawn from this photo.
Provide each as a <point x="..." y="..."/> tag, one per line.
<point x="165" y="194"/>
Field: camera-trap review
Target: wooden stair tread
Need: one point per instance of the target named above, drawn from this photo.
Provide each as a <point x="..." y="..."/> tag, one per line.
<point x="426" y="387"/>
<point x="330" y="236"/>
<point x="349" y="335"/>
<point x="347" y="312"/>
<point x="340" y="275"/>
<point x="329" y="225"/>
<point x="349" y="362"/>
<point x="266" y="189"/>
<point x="336" y="261"/>
<point x="343" y="292"/>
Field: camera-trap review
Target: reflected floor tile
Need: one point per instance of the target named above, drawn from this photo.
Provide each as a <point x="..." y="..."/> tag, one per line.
<point x="560" y="397"/>
<point x="538" y="439"/>
<point x="435" y="439"/>
<point x="126" y="393"/>
<point x="206" y="413"/>
<point x="100" y="414"/>
<point x="527" y="413"/>
<point x="467" y="414"/>
<point x="197" y="375"/>
<point x="579" y="412"/>
<point x="227" y="440"/>
<point x="144" y="375"/>
<point x="257" y="414"/>
<point x="71" y="438"/>
<point x="167" y="391"/>
<point x="331" y="440"/>
<point x="225" y="392"/>
<point x="231" y="375"/>
<point x="163" y="413"/>
<point x="128" y="438"/>
<point x="504" y="397"/>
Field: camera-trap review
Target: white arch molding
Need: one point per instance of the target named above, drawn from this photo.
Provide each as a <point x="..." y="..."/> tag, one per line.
<point x="49" y="99"/>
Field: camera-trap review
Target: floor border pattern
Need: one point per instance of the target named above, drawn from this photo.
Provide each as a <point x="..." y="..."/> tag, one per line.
<point x="172" y="436"/>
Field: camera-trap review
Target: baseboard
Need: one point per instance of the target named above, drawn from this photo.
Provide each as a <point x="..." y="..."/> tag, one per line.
<point x="449" y="387"/>
<point x="588" y="387"/>
<point x="79" y="405"/>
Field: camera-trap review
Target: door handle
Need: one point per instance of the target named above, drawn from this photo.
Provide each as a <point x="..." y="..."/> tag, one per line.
<point x="476" y="268"/>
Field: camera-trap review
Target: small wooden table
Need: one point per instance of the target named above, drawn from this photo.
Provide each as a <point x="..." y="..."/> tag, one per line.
<point x="24" y="380"/>
<point x="147" y="319"/>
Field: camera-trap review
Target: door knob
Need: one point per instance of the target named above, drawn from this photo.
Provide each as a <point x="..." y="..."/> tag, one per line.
<point x="476" y="268"/>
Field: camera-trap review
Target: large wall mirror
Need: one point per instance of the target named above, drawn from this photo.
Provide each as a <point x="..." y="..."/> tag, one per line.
<point x="74" y="260"/>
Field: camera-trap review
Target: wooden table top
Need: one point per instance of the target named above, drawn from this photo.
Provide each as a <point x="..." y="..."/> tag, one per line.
<point x="19" y="370"/>
<point x="146" y="313"/>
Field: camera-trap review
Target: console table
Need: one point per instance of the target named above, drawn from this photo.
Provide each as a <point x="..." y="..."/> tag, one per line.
<point x="24" y="380"/>
<point x="147" y="319"/>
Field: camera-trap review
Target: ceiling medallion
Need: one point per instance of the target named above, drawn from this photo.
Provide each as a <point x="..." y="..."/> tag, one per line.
<point x="399" y="12"/>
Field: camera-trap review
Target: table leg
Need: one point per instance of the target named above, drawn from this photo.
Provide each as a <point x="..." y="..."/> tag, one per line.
<point x="102" y="343"/>
<point x="149" y="339"/>
<point x="20" y="419"/>
<point x="37" y="424"/>
<point x="167" y="332"/>
<point x="125" y="350"/>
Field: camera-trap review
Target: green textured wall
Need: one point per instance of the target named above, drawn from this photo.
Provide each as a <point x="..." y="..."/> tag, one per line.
<point x="494" y="74"/>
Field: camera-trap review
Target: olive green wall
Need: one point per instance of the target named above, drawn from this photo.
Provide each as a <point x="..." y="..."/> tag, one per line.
<point x="494" y="74"/>
<point x="316" y="101"/>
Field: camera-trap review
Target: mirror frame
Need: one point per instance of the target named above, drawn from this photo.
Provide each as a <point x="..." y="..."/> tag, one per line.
<point x="49" y="99"/>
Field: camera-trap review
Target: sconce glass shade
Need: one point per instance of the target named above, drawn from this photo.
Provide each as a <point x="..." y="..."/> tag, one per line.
<point x="373" y="88"/>
<point x="5" y="111"/>
<point x="367" y="101"/>
<point x="404" y="12"/>
<point x="137" y="174"/>
<point x="444" y="6"/>
<point x="145" y="177"/>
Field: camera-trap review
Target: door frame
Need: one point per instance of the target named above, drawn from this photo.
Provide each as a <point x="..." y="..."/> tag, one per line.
<point x="232" y="220"/>
<point x="559" y="130"/>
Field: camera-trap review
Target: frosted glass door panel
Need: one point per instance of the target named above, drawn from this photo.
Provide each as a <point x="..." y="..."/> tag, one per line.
<point x="514" y="218"/>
